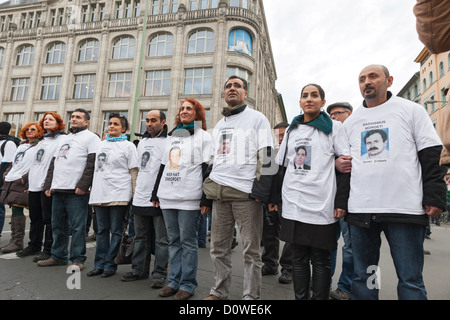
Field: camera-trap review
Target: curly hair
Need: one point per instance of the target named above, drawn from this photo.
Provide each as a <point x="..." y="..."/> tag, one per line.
<point x="23" y="132"/>
<point x="200" y="114"/>
<point x="60" y="123"/>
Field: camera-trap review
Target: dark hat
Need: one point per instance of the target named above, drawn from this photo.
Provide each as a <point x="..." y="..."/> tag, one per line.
<point x="345" y="105"/>
<point x="4" y="128"/>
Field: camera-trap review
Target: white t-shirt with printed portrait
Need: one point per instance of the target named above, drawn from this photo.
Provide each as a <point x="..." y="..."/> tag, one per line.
<point x="237" y="140"/>
<point x="112" y="178"/>
<point x="309" y="185"/>
<point x="21" y="162"/>
<point x="385" y="140"/>
<point x="150" y="154"/>
<point x="181" y="185"/>
<point x="42" y="156"/>
<point x="70" y="158"/>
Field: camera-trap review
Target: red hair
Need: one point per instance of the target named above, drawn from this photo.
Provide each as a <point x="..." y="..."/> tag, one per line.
<point x="200" y="114"/>
<point x="59" y="121"/>
<point x="23" y="132"/>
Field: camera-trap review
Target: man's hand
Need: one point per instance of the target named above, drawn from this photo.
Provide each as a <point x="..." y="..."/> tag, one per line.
<point x="79" y="192"/>
<point x="339" y="213"/>
<point x="433" y="211"/>
<point x="205" y="210"/>
<point x="344" y="164"/>
<point x="272" y="207"/>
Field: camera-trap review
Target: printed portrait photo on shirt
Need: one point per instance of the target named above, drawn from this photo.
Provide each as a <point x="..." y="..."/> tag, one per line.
<point x="174" y="158"/>
<point x="39" y="155"/>
<point x="19" y="157"/>
<point x="63" y="151"/>
<point x="225" y="144"/>
<point x="375" y="144"/>
<point x="145" y="158"/>
<point x="101" y="161"/>
<point x="302" y="159"/>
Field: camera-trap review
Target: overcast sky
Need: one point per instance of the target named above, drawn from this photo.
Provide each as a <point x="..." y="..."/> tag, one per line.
<point x="328" y="42"/>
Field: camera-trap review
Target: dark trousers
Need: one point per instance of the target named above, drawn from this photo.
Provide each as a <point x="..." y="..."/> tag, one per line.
<point x="40" y="211"/>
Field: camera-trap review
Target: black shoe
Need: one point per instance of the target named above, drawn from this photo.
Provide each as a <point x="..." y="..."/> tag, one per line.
<point x="131" y="276"/>
<point x="267" y="271"/>
<point x="108" y="273"/>
<point x="285" y="277"/>
<point x="28" y="251"/>
<point x="94" y="272"/>
<point x="42" y="256"/>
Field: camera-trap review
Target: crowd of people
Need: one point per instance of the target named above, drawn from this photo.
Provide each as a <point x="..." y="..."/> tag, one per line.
<point x="323" y="175"/>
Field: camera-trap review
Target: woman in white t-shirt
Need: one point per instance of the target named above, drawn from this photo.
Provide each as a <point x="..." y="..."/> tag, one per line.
<point x="116" y="168"/>
<point x="310" y="210"/>
<point x="40" y="205"/>
<point x="179" y="193"/>
<point x="14" y="186"/>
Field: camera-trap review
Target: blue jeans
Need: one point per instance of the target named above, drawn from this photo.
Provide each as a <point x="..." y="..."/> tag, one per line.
<point x="202" y="230"/>
<point x="406" y="246"/>
<point x="345" y="279"/>
<point x="110" y="223"/>
<point x="69" y="213"/>
<point x="182" y="228"/>
<point x="2" y="217"/>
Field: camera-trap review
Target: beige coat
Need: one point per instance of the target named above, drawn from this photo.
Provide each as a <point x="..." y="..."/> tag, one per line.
<point x="445" y="131"/>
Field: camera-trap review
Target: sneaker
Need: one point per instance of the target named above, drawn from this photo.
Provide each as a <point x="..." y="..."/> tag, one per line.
<point x="28" y="251"/>
<point x="267" y="271"/>
<point x="285" y="277"/>
<point x="339" y="294"/>
<point x="131" y="276"/>
<point x="41" y="256"/>
<point x="50" y="262"/>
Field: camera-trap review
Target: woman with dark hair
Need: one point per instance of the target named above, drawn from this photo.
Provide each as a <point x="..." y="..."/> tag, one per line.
<point x="115" y="174"/>
<point x="40" y="206"/>
<point x="179" y="192"/>
<point x="15" y="185"/>
<point x="311" y="199"/>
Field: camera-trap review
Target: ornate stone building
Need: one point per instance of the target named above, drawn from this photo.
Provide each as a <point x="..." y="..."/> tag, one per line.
<point x="111" y="56"/>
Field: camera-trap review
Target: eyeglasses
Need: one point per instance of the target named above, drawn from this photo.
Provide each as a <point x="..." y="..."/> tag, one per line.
<point x="336" y="113"/>
<point x="31" y="129"/>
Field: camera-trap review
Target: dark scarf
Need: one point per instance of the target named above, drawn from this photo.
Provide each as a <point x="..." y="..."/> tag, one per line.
<point x="180" y="129"/>
<point x="227" y="111"/>
<point x="323" y="122"/>
<point x="162" y="134"/>
<point x="53" y="134"/>
<point x="76" y="130"/>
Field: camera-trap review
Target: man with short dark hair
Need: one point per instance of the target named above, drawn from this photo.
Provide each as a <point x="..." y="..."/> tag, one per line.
<point x="8" y="148"/>
<point x="394" y="195"/>
<point x="68" y="180"/>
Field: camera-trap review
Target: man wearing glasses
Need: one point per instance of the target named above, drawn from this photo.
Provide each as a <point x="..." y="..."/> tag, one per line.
<point x="340" y="111"/>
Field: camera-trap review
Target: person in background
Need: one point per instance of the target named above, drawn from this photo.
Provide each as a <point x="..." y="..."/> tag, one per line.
<point x="15" y="185"/>
<point x="178" y="192"/>
<point x="112" y="189"/>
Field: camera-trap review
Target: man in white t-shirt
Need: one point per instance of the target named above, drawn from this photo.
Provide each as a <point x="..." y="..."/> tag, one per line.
<point x="238" y="188"/>
<point x="69" y="179"/>
<point x="396" y="194"/>
<point x="8" y="150"/>
<point x="151" y="234"/>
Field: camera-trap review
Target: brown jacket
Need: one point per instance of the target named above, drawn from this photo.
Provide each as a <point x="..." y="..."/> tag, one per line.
<point x="433" y="24"/>
<point x="445" y="131"/>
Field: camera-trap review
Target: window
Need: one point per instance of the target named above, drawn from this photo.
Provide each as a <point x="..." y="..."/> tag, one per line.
<point x="424" y="85"/>
<point x="157" y="83"/>
<point x="25" y="56"/>
<point x="431" y="78"/>
<point x="88" y="50"/>
<point x="174" y="6"/>
<point x="234" y="3"/>
<point x="119" y="85"/>
<point x="84" y="86"/>
<point x="16" y="120"/>
<point x="161" y="45"/>
<point x="240" y="41"/>
<point x="201" y="41"/>
<point x="155" y="7"/>
<point x="198" y="81"/>
<point x="19" y="89"/>
<point x="144" y="122"/>
<point x="56" y="53"/>
<point x="441" y="69"/>
<point x="51" y="87"/>
<point x="123" y="48"/>
<point x="2" y="56"/>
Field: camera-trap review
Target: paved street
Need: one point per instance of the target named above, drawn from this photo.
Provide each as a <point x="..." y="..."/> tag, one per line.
<point x="22" y="279"/>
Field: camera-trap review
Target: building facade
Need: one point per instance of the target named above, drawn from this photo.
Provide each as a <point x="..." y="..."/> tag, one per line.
<point x="116" y="56"/>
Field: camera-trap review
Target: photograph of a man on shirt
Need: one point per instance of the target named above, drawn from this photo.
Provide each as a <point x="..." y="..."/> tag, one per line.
<point x="101" y="161"/>
<point x="225" y="144"/>
<point x="145" y="159"/>
<point x="302" y="153"/>
<point x="375" y="144"/>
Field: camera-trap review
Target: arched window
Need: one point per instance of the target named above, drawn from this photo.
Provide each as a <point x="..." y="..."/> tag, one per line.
<point x="25" y="55"/>
<point x="441" y="69"/>
<point x="424" y="85"/>
<point x="88" y="50"/>
<point x="56" y="53"/>
<point x="240" y="41"/>
<point x="161" y="45"/>
<point x="201" y="41"/>
<point x="123" y="48"/>
<point x="431" y="78"/>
